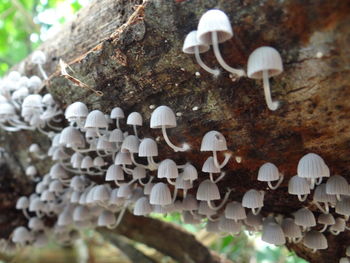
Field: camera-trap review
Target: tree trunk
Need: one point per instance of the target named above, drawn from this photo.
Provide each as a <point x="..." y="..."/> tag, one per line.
<point x="132" y="54"/>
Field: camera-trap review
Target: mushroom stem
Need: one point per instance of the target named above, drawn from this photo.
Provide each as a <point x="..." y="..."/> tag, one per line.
<point x="117" y="123"/>
<point x="152" y="165"/>
<point x="274" y="187"/>
<point x="211" y="206"/>
<point x="335" y="233"/>
<point x="302" y="198"/>
<point x="216" y="162"/>
<point x="116" y="183"/>
<point x="222" y="175"/>
<point x="184" y="193"/>
<point x="136" y="163"/>
<point x="338" y="197"/>
<point x="319" y="181"/>
<point x="256" y="210"/>
<point x="221" y="61"/>
<point x="272" y="105"/>
<point x="175" y="148"/>
<point x="127" y="170"/>
<point x="297" y="239"/>
<point x="200" y="62"/>
<point x="25" y="213"/>
<point x="175" y="194"/>
<point x="170" y="182"/>
<point x="324" y="228"/>
<point x="42" y="71"/>
<point x="135" y="130"/>
<point x="324" y="210"/>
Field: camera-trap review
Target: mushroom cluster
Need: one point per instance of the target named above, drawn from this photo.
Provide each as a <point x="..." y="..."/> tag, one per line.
<point x="100" y="170"/>
<point x="214" y="28"/>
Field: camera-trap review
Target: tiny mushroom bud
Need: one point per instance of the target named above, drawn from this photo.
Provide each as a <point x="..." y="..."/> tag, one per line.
<point x="192" y="46"/>
<point x="163" y="117"/>
<point x="213" y="28"/>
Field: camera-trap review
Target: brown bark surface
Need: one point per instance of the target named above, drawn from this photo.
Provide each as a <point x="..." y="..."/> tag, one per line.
<point x="133" y="55"/>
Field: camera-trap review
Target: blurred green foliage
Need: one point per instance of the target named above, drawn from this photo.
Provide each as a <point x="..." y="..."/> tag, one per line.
<point x="23" y="24"/>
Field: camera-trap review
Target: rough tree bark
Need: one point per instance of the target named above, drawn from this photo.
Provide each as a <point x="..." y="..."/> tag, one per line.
<point x="133" y="55"/>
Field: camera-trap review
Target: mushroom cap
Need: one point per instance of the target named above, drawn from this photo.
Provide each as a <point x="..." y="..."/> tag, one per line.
<point x="304" y="217"/>
<point x="163" y="116"/>
<point x="209" y="166"/>
<point x="213" y="141"/>
<point x="117" y="113"/>
<point x="160" y="195"/>
<point x="21" y="235"/>
<point x="7" y="110"/>
<point x="343" y="206"/>
<point x="59" y="154"/>
<point x="183" y="184"/>
<point x="96" y="119"/>
<point x="268" y="172"/>
<point x="40" y="187"/>
<point x="337" y="184"/>
<point x="138" y="173"/>
<point x="253" y="220"/>
<point x="148" y="188"/>
<point x="326" y="219"/>
<point x="71" y="137"/>
<point x="315" y="240"/>
<point x="264" y="58"/>
<point x="214" y="20"/>
<point x="134" y="118"/>
<point x="298" y="186"/>
<point x="65" y="218"/>
<point x="130" y="144"/>
<point x="190" y="172"/>
<point x="212" y="227"/>
<point x="204" y="209"/>
<point x="229" y="225"/>
<point x="115" y="200"/>
<point x="34" y="83"/>
<point x="142" y="207"/>
<point x="148" y="147"/>
<point x="312" y="165"/>
<point x="235" y="210"/>
<point x="31" y="171"/>
<point x="101" y="193"/>
<point x="76" y="110"/>
<point x="188" y="218"/>
<point x="191" y="42"/>
<point x="290" y="229"/>
<point x="167" y="169"/>
<point x="57" y="172"/>
<point x="14" y="76"/>
<point x="87" y="163"/>
<point x="38" y="57"/>
<point x="74" y="198"/>
<point x="190" y="203"/>
<point x="20" y="93"/>
<point x="116" y="136"/>
<point x="104" y="145"/>
<point x="32" y="101"/>
<point x="320" y="195"/>
<point x="207" y="191"/>
<point x="76" y="159"/>
<point x="273" y="234"/>
<point x="107" y="218"/>
<point x="344" y="260"/>
<point x="22" y="203"/>
<point x="159" y="209"/>
<point x="56" y="186"/>
<point x="253" y="199"/>
<point x="339" y="225"/>
<point x="123" y="158"/>
<point x="124" y="191"/>
<point x="114" y="172"/>
<point x="81" y="213"/>
<point x="98" y="161"/>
